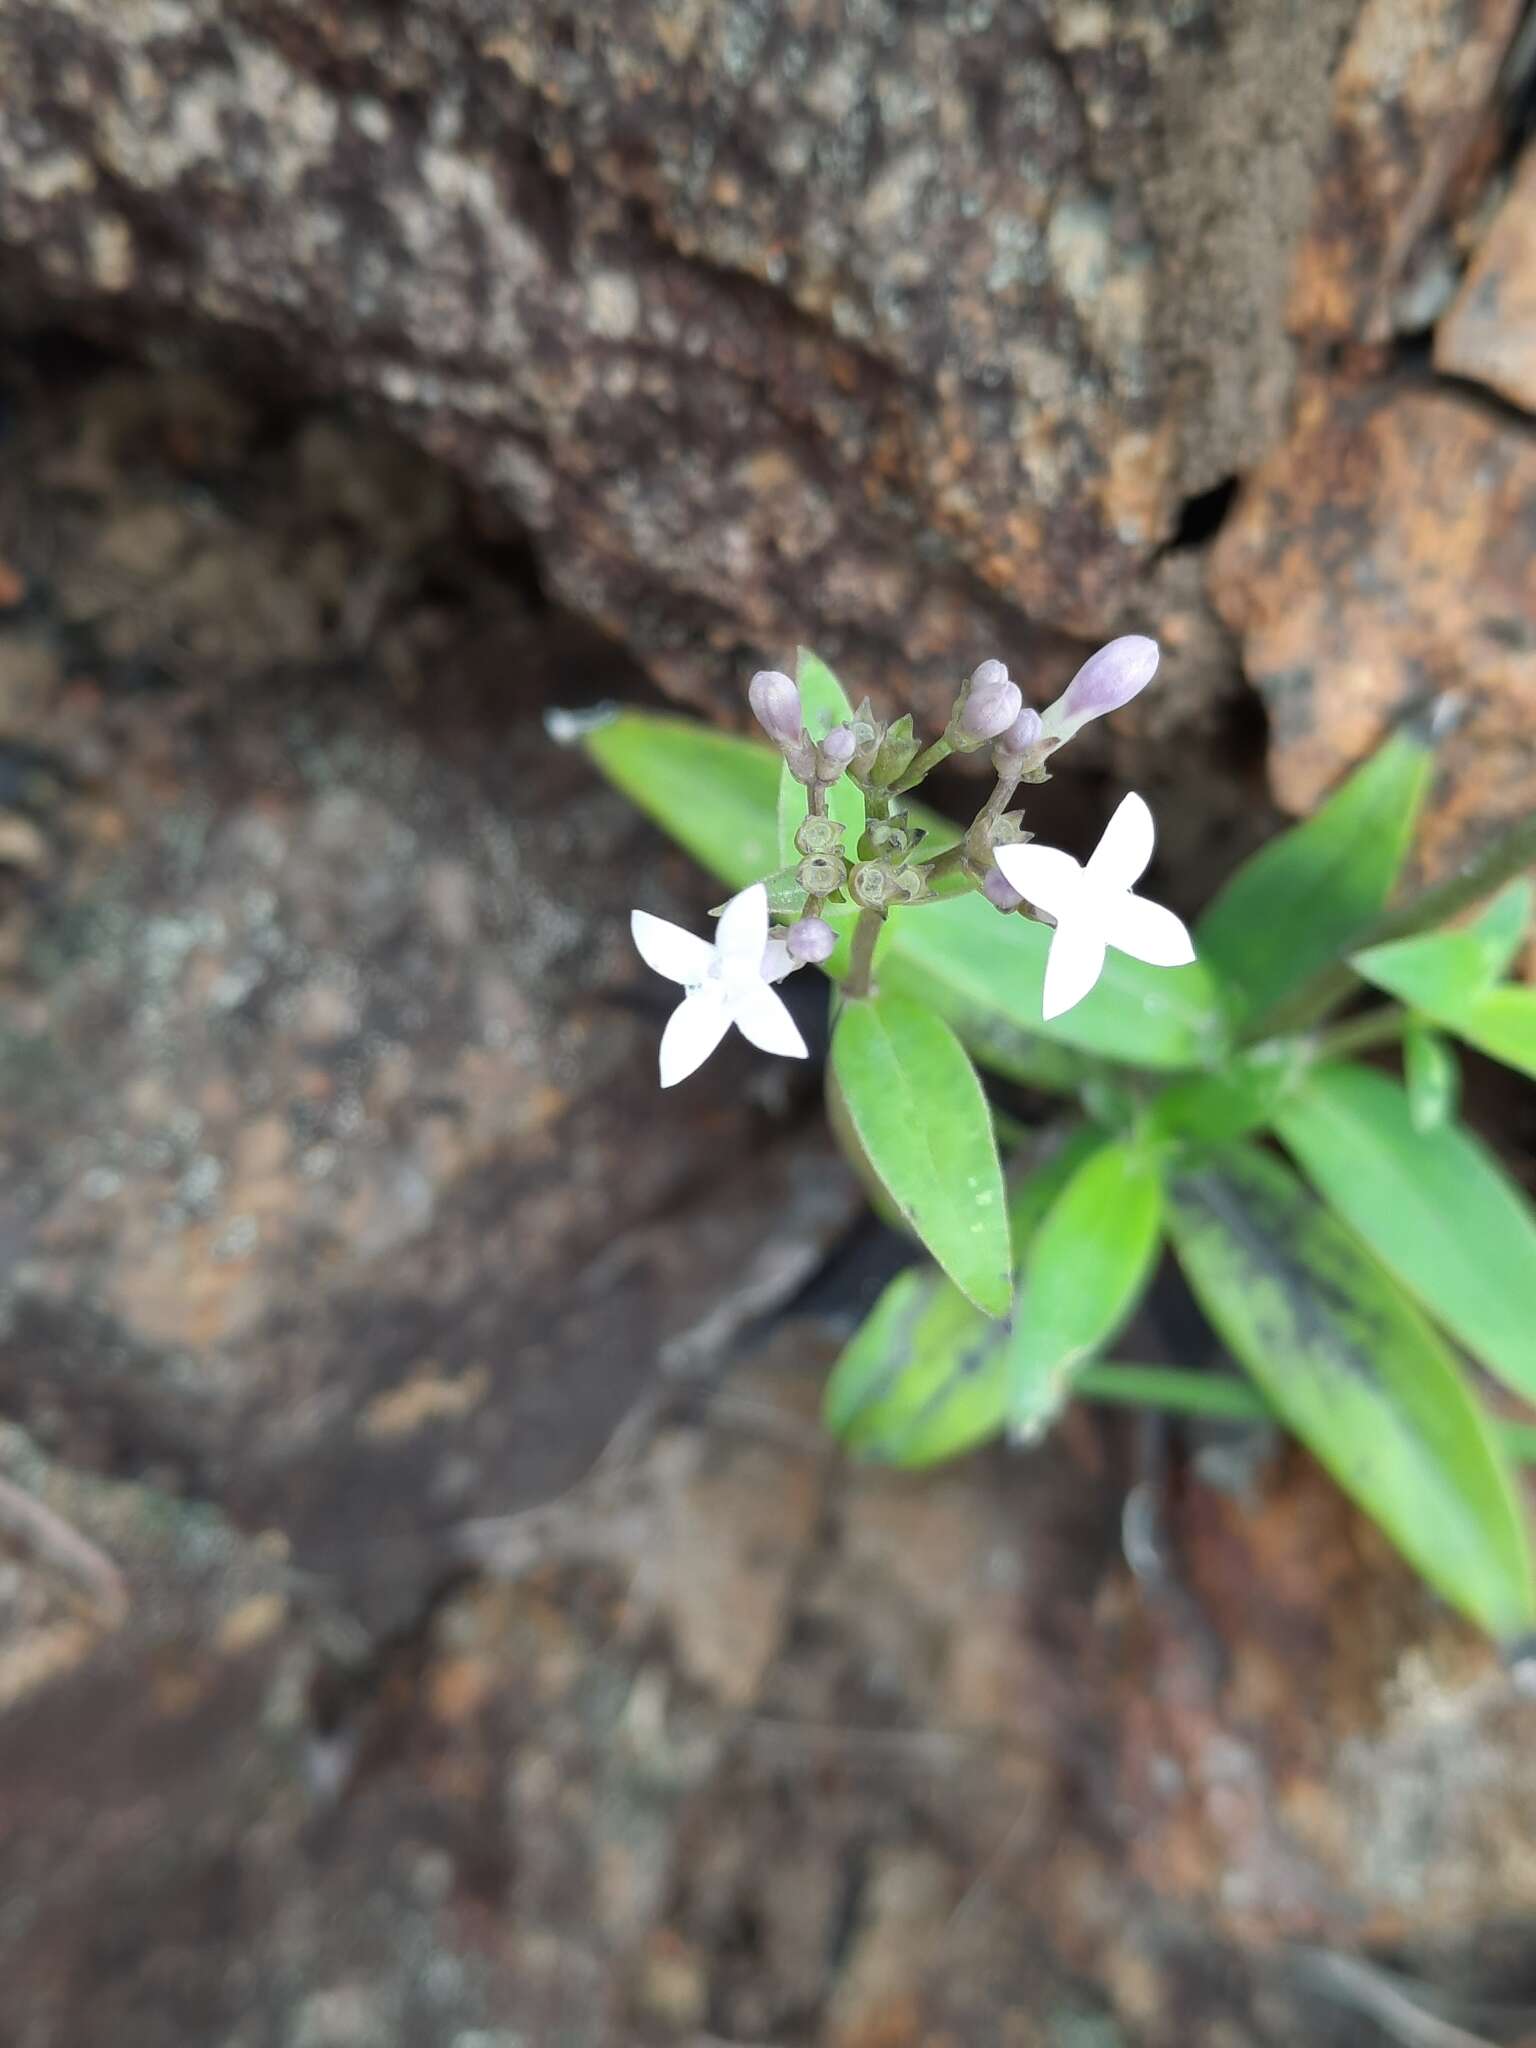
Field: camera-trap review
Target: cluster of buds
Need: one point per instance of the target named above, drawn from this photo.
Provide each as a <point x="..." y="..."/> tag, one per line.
<point x="1090" y="906"/>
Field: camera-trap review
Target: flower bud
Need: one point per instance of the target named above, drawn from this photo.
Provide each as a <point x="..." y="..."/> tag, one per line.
<point x="1105" y="681"/>
<point x="812" y="940"/>
<point x="776" y="706"/>
<point x="835" y="752"/>
<point x="992" y="703"/>
<point x="999" y="891"/>
<point x="895" y="754"/>
<point x="1024" y="732"/>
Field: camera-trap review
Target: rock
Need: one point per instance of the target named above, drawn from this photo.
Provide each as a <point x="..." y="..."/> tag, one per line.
<point x="334" y="1155"/>
<point x="1413" y="129"/>
<point x="1489" y="332"/>
<point x="1377" y="568"/>
<point x="907" y="332"/>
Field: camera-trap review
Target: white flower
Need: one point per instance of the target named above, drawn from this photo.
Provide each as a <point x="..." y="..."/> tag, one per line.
<point x="1094" y="908"/>
<point x="724" y="981"/>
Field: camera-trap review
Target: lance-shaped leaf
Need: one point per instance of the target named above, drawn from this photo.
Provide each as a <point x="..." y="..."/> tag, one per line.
<point x="1434" y="1205"/>
<point x="925" y="1376"/>
<point x="915" y="1102"/>
<point x="1299" y="901"/>
<point x="1085" y="1272"/>
<point x="1355" y="1370"/>
<point x="823" y="704"/>
<point x="1452" y="977"/>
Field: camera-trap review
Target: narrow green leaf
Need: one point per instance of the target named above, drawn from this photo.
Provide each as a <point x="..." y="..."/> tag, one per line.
<point x="985" y="973"/>
<point x="1441" y="972"/>
<point x="1086" y="1270"/>
<point x="1358" y="1374"/>
<point x="923" y="1378"/>
<point x="1501" y="1024"/>
<point x="1299" y="901"/>
<point x="1434" y="1206"/>
<point x="1213" y="1109"/>
<point x="824" y="703"/>
<point x="1452" y="977"/>
<point x="913" y="1098"/>
<point x="1432" y="1078"/>
<point x="717" y="795"/>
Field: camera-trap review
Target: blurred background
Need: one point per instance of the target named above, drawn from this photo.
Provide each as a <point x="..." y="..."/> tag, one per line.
<point x="429" y="1611"/>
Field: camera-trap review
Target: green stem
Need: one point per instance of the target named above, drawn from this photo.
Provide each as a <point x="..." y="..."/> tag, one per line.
<point x="1498" y="863"/>
<point x="930" y="757"/>
<point x="943" y="863"/>
<point x="866" y="934"/>
<point x="1376" y="1027"/>
<point x="1222" y="1397"/>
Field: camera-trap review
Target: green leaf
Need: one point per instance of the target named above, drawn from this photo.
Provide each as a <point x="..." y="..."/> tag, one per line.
<point x="1355" y="1370"/>
<point x="1213" y="1109"/>
<point x="824" y="704"/>
<point x="1086" y="1270"/>
<point x="923" y="1378"/>
<point x="1452" y="977"/>
<point x="1439" y="972"/>
<point x="916" y="1105"/>
<point x="717" y="795"/>
<point x="1434" y="1206"/>
<point x="1432" y="1077"/>
<point x="1299" y="901"/>
<point x="985" y="973"/>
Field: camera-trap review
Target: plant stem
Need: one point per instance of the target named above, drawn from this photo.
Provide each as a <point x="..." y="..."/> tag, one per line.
<point x="1508" y="855"/>
<point x="866" y="934"/>
<point x="930" y="757"/>
<point x="1227" y="1399"/>
<point x="1376" y="1027"/>
<point x="943" y="863"/>
<point x="1175" y="1388"/>
<point x="816" y="800"/>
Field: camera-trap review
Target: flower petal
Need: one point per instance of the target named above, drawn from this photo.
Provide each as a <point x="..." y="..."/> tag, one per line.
<point x="762" y="1019"/>
<point x="1043" y="875"/>
<point x="778" y="961"/>
<point x="669" y="949"/>
<point x="1148" y="932"/>
<point x="1074" y="964"/>
<point x="693" y="1031"/>
<point x="1121" y="856"/>
<point x="741" y="931"/>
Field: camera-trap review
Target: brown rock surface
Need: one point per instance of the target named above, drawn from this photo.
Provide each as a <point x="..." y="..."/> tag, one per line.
<point x="1378" y="567"/>
<point x="1489" y="332"/>
<point x="1413" y="128"/>
<point x="903" y="328"/>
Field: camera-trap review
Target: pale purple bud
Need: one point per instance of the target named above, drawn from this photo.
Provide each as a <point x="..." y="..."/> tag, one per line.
<point x="776" y="706"/>
<point x="1105" y="681"/>
<point x="999" y="891"/>
<point x="1022" y="734"/>
<point x="993" y="702"/>
<point x="812" y="940"/>
<point x="836" y="751"/>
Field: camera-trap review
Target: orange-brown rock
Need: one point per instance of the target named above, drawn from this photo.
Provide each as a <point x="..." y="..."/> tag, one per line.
<point x="1379" y="567"/>
<point x="1489" y="333"/>
<point x="1410" y="103"/>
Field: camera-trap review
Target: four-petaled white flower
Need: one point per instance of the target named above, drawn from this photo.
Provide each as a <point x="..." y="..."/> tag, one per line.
<point x="1093" y="906"/>
<point x="724" y="984"/>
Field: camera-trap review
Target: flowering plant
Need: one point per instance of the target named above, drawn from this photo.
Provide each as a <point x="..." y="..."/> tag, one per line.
<point x="1360" y="1256"/>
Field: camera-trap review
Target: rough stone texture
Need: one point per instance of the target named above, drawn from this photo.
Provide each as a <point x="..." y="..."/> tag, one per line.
<point x="1377" y="567"/>
<point x="904" y="327"/>
<point x="1413" y="127"/>
<point x="331" y="1121"/>
<point x="345" y="1701"/>
<point x="1489" y="332"/>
